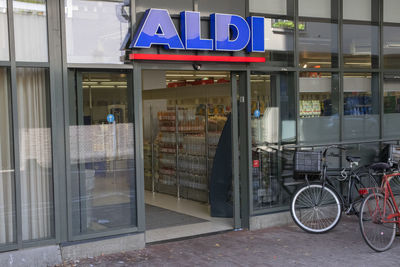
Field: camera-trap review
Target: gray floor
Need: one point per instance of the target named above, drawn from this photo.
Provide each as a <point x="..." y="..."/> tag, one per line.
<point x="157" y="217"/>
<point x="278" y="246"/>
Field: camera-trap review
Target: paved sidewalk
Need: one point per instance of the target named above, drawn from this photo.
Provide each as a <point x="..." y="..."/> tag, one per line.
<point x="279" y="246"/>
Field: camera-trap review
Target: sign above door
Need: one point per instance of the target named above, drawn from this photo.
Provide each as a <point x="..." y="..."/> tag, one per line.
<point x="228" y="33"/>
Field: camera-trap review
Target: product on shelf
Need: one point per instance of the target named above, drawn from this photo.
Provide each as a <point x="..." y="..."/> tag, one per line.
<point x="357" y="105"/>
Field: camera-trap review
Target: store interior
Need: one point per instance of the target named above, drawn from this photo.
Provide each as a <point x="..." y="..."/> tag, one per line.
<point x="185" y="129"/>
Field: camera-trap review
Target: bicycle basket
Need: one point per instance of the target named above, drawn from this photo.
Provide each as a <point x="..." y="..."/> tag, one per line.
<point x="307" y="162"/>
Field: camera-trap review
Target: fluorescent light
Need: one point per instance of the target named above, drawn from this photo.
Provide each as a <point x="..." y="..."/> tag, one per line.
<point x="101" y="86"/>
<point x="319" y="62"/>
<point x="90" y="83"/>
<point x="113" y="83"/>
<point x="179" y="75"/>
<point x="99" y="80"/>
<point x="211" y="75"/>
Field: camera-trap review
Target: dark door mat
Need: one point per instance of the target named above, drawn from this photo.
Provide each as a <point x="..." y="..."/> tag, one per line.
<point x="157" y="217"/>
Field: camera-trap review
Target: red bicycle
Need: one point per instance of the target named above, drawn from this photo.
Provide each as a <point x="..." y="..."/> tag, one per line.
<point x="379" y="213"/>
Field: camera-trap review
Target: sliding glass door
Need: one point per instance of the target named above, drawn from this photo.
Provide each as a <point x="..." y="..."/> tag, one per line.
<point x="102" y="159"/>
<point x="7" y="182"/>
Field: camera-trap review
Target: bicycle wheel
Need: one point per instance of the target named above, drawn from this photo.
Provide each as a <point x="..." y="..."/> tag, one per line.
<point x="316" y="209"/>
<point x="366" y="180"/>
<point x="377" y="234"/>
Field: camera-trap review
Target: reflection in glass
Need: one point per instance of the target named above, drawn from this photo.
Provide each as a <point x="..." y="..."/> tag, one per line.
<point x="35" y="154"/>
<point x="318" y="46"/>
<point x="319" y="107"/>
<point x="95" y="30"/>
<point x="7" y="209"/>
<point x="360" y="46"/>
<point x="266" y="113"/>
<point x="391" y="105"/>
<point x="4" y="55"/>
<point x="279" y="41"/>
<point x="361" y="106"/>
<point x="391" y="47"/>
<point x="264" y="110"/>
<point x="30" y="30"/>
<point x="102" y="153"/>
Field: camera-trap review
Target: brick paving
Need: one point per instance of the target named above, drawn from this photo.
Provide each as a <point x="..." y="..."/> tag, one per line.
<point x="278" y="246"/>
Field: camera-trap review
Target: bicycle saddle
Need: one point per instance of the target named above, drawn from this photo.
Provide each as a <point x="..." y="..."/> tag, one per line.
<point x="380" y="166"/>
<point x="353" y="159"/>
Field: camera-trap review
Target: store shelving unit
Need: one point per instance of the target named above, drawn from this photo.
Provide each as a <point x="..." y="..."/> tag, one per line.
<point x="180" y="157"/>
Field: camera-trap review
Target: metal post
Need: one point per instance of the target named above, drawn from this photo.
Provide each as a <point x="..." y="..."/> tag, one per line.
<point x="152" y="151"/>
<point x="177" y="151"/>
<point x="207" y="152"/>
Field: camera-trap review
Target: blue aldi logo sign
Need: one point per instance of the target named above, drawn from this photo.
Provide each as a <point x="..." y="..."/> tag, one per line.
<point x="227" y="32"/>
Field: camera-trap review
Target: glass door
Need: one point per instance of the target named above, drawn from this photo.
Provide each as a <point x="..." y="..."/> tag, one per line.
<point x="102" y="157"/>
<point x="273" y="123"/>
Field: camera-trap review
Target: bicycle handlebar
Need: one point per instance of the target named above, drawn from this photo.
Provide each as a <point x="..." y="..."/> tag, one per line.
<point x="329" y="147"/>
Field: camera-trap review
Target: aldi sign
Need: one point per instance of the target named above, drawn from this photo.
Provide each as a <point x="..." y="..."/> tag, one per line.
<point x="227" y="32"/>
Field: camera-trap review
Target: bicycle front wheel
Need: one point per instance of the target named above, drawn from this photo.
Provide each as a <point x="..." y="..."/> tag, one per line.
<point x="316" y="208"/>
<point x="377" y="230"/>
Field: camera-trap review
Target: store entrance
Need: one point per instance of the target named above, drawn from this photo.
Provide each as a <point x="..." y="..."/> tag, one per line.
<point x="187" y="152"/>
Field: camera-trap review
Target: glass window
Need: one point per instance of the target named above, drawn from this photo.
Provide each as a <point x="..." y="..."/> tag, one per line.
<point x="391" y="11"/>
<point x="288" y="108"/>
<point x="174" y="7"/>
<point x="357" y="10"/>
<point x="30" y="30"/>
<point x="102" y="153"/>
<point x="315" y="8"/>
<point x="318" y="46"/>
<point x="319" y="107"/>
<point x="360" y="46"/>
<point x="95" y="31"/>
<point x="391" y="47"/>
<point x="207" y="7"/>
<point x="35" y="157"/>
<point x="266" y="112"/>
<point x="279" y="41"/>
<point x="4" y="54"/>
<point x="7" y="195"/>
<point x="278" y="7"/>
<point x="391" y="105"/>
<point x="361" y="106"/>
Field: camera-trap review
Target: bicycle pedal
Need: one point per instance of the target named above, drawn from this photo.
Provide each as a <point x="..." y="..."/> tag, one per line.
<point x="350" y="211"/>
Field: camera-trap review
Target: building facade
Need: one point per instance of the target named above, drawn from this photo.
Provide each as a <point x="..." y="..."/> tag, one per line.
<point x="88" y="129"/>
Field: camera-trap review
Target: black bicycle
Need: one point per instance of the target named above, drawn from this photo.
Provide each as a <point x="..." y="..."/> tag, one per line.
<point x="317" y="207"/>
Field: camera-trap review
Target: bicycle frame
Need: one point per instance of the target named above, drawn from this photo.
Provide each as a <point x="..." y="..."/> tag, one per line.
<point x="326" y="180"/>
<point x="388" y="194"/>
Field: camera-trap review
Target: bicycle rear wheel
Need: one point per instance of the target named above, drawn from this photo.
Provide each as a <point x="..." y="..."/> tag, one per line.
<point x="316" y="208"/>
<point x="377" y="234"/>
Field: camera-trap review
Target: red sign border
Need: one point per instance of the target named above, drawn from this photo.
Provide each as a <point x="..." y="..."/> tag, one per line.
<point x="166" y="57"/>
